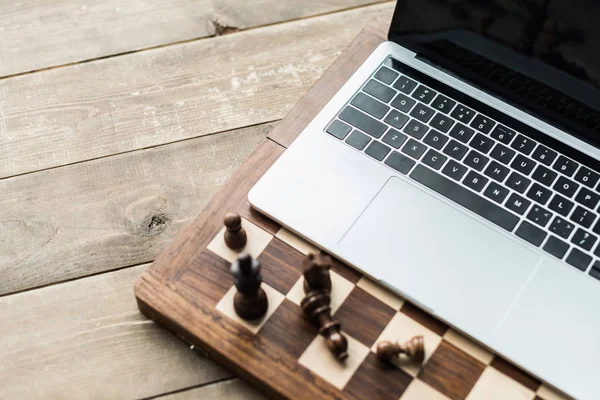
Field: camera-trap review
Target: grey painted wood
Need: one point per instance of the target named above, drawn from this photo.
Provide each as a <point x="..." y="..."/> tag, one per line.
<point x="232" y="389"/>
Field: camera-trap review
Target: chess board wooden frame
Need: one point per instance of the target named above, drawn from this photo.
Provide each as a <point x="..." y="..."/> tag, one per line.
<point x="187" y="290"/>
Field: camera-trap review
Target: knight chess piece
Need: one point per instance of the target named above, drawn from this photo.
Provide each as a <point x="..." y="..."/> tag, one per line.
<point x="414" y="349"/>
<point x="250" y="302"/>
<point x="316" y="306"/>
<point x="235" y="234"/>
<point x="316" y="272"/>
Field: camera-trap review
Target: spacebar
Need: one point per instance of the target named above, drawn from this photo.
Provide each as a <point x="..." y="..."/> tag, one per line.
<point x="464" y="197"/>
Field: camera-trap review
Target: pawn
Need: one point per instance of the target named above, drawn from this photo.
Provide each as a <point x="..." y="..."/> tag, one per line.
<point x="413" y="348"/>
<point x="250" y="301"/>
<point x="316" y="272"/>
<point x="235" y="234"/>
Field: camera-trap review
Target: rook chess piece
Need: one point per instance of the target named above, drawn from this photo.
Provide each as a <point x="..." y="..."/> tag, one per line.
<point x="235" y="234"/>
<point x="250" y="302"/>
<point x="316" y="272"/>
<point x="316" y="306"/>
<point x="413" y="348"/>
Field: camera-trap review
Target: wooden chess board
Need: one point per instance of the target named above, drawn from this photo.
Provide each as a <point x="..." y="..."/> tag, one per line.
<point x="189" y="290"/>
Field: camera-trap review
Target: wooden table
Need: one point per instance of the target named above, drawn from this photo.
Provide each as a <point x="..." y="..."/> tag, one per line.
<point x="118" y="123"/>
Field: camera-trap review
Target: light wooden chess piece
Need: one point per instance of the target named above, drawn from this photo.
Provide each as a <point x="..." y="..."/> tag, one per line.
<point x="235" y="234"/>
<point x="316" y="272"/>
<point x="250" y="302"/>
<point x="414" y="349"/>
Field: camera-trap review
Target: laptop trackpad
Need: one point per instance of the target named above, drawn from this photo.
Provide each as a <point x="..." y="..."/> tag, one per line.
<point x="440" y="256"/>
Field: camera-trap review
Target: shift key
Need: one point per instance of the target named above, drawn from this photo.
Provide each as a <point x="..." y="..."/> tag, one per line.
<point x="363" y="122"/>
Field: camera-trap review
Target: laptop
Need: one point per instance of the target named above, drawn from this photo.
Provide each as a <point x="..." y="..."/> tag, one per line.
<point x="459" y="166"/>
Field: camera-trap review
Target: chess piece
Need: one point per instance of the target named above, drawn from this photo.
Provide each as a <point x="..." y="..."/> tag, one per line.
<point x="413" y="348"/>
<point x="250" y="302"/>
<point x="316" y="306"/>
<point x="316" y="272"/>
<point x="235" y="234"/>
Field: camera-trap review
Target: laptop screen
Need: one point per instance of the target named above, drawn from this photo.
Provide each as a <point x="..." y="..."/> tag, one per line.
<point x="539" y="55"/>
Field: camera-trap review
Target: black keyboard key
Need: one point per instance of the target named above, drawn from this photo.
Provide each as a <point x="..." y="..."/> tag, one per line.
<point x="556" y="247"/>
<point x="476" y="160"/>
<point x="403" y="103"/>
<point x="502" y="153"/>
<point x="462" y="133"/>
<point x="496" y="171"/>
<point x="441" y="122"/>
<point x="518" y="182"/>
<point x="454" y="170"/>
<point x="443" y="104"/>
<point x="386" y="75"/>
<point x="453" y="191"/>
<point x="595" y="270"/>
<point x="561" y="227"/>
<point x="523" y="144"/>
<point x="338" y="129"/>
<point x="399" y="162"/>
<point x="481" y="143"/>
<point x="566" y="186"/>
<point x="434" y="159"/>
<point x="396" y="119"/>
<point x="496" y="192"/>
<point x="422" y="113"/>
<point x="475" y="181"/>
<point x="565" y="166"/>
<point x="544" y="175"/>
<point x="415" y="129"/>
<point x="544" y="155"/>
<point x="539" y="215"/>
<point x="358" y="140"/>
<point x="523" y="164"/>
<point x="503" y="134"/>
<point x="539" y="193"/>
<point x="587" y="177"/>
<point x="394" y="138"/>
<point x="456" y="150"/>
<point x="587" y="198"/>
<point x="362" y="121"/>
<point x="583" y="217"/>
<point x="483" y="124"/>
<point x="379" y="90"/>
<point x="370" y="105"/>
<point x="405" y="85"/>
<point x="579" y="259"/>
<point x="561" y="205"/>
<point x="424" y="94"/>
<point x="517" y="204"/>
<point x="463" y="114"/>
<point x="531" y="233"/>
<point x="414" y="149"/>
<point x="435" y="139"/>
<point x="377" y="150"/>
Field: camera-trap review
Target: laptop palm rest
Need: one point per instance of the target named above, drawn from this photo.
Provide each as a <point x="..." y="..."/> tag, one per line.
<point x="428" y="250"/>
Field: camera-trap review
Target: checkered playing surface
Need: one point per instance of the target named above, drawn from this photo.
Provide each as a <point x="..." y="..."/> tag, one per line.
<point x="454" y="367"/>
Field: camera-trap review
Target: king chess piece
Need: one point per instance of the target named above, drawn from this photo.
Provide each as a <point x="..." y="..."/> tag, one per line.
<point x="413" y="348"/>
<point x="250" y="302"/>
<point x="235" y="235"/>
<point x="316" y="272"/>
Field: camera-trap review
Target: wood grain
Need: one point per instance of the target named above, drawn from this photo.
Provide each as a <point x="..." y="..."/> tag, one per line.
<point x="40" y="34"/>
<point x="87" y="339"/>
<point x="87" y="218"/>
<point x="81" y="112"/>
<point x="234" y="389"/>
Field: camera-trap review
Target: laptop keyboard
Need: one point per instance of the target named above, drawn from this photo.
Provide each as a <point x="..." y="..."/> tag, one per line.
<point x="511" y="180"/>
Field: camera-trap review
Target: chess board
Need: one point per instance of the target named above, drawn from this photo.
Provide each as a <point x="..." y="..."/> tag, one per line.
<point x="190" y="291"/>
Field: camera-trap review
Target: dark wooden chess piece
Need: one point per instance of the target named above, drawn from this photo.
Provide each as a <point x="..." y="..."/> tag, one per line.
<point x="414" y="349"/>
<point x="235" y="234"/>
<point x="316" y="272"/>
<point x="250" y="302"/>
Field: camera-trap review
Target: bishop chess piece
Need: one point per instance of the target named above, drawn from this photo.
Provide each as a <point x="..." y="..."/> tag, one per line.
<point x="250" y="302"/>
<point x="235" y="234"/>
<point x="316" y="272"/>
<point x="414" y="349"/>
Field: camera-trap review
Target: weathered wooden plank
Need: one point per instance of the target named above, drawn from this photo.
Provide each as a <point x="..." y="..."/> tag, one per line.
<point x="77" y="113"/>
<point x="86" y="339"/>
<point x="113" y="212"/>
<point x="233" y="389"/>
<point x="40" y="33"/>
